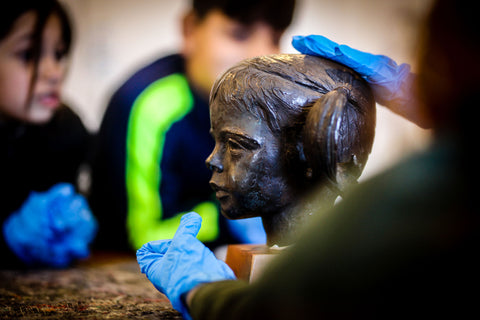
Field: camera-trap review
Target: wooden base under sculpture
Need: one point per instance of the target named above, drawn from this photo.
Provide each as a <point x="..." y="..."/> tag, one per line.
<point x="249" y="260"/>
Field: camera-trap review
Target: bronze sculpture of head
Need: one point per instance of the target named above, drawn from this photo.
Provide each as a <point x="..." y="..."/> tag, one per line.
<point x="284" y="126"/>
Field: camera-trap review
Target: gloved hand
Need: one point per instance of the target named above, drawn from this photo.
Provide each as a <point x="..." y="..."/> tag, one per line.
<point x="176" y="266"/>
<point x="392" y="84"/>
<point x="51" y="228"/>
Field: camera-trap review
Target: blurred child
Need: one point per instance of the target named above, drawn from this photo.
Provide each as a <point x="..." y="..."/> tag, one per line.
<point x="154" y="138"/>
<point x="43" y="143"/>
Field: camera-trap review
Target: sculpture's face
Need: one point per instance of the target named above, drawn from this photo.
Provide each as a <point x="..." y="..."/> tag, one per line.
<point x="246" y="164"/>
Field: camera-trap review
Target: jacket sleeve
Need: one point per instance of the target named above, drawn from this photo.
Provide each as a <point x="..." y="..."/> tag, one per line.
<point x="162" y="103"/>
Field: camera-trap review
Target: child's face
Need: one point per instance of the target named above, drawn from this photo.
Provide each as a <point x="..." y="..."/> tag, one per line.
<point x="17" y="69"/>
<point x="218" y="42"/>
<point x="246" y="164"/>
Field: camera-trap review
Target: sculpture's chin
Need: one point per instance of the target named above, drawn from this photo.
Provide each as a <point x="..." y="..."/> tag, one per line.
<point x="236" y="214"/>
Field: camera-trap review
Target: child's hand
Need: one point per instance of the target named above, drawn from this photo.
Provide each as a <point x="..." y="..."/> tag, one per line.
<point x="51" y="228"/>
<point x="177" y="266"/>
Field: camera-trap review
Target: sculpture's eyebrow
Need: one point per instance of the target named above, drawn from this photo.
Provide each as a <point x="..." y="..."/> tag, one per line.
<point x="241" y="137"/>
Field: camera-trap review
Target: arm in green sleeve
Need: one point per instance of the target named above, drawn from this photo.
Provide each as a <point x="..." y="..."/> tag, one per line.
<point x="150" y="119"/>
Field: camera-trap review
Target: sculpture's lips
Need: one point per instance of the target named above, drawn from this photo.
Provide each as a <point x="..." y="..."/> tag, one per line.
<point x="221" y="194"/>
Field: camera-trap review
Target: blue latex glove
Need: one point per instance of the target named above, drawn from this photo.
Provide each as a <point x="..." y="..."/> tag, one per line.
<point x="392" y="84"/>
<point x="386" y="77"/>
<point x="51" y="228"/>
<point x="176" y="266"/>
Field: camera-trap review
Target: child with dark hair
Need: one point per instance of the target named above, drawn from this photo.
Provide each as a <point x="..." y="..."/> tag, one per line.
<point x="154" y="137"/>
<point x="43" y="143"/>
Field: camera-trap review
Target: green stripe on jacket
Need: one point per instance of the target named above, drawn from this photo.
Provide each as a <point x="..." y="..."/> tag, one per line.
<point x="161" y="104"/>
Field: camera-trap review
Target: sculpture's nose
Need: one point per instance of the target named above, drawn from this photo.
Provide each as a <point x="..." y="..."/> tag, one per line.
<point x="213" y="163"/>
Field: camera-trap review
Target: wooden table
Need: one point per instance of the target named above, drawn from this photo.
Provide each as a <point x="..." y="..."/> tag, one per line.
<point x="105" y="286"/>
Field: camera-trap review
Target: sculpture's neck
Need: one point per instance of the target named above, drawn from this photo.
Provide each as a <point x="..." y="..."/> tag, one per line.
<point x="282" y="227"/>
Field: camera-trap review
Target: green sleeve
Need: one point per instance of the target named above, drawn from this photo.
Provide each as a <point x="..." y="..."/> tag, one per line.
<point x="159" y="106"/>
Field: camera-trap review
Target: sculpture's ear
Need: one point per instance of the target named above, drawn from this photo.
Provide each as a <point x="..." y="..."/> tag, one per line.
<point x="321" y="134"/>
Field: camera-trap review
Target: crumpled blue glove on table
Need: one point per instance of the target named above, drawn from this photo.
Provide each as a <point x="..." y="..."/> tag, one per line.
<point x="392" y="84"/>
<point x="178" y="265"/>
<point x="52" y="228"/>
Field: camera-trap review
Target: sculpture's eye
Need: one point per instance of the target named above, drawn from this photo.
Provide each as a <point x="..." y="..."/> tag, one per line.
<point x="234" y="147"/>
<point x="237" y="144"/>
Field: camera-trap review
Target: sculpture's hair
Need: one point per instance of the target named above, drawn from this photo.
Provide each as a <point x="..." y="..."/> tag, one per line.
<point x="324" y="111"/>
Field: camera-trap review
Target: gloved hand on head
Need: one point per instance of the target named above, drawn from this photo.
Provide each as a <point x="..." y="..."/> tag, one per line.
<point x="392" y="84"/>
<point x="51" y="228"/>
<point x="178" y="265"/>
